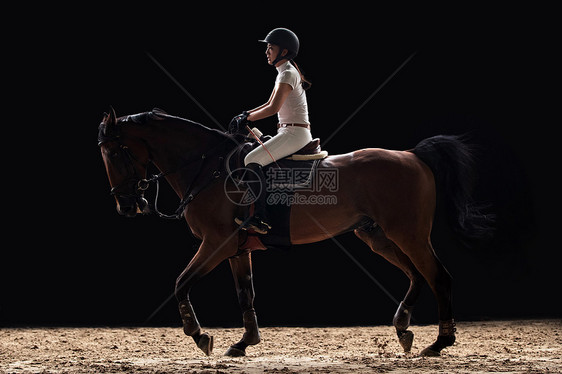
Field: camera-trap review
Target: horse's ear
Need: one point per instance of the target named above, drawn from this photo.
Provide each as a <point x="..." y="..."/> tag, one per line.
<point x="112" y="118"/>
<point x="108" y="122"/>
<point x="109" y="119"/>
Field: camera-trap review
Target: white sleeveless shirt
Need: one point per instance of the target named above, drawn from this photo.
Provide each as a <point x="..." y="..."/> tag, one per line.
<point x="295" y="107"/>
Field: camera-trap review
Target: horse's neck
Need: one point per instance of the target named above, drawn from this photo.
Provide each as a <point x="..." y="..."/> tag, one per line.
<point x="179" y="153"/>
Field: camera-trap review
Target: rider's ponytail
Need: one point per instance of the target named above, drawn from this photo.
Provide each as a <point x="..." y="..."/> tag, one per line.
<point x="305" y="83"/>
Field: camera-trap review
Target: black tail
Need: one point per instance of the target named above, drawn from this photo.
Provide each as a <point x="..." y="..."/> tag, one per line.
<point x="452" y="163"/>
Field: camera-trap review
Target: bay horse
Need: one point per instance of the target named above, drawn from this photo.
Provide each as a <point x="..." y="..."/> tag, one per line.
<point x="387" y="197"/>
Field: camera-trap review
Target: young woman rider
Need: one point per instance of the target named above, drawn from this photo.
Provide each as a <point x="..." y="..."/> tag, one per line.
<point x="288" y="101"/>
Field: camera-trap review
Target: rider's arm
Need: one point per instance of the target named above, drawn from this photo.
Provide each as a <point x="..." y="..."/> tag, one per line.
<point x="275" y="103"/>
<point x="264" y="105"/>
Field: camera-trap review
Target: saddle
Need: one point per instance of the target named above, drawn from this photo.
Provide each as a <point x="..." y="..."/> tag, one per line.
<point x="302" y="159"/>
<point x="311" y="151"/>
<point x="284" y="178"/>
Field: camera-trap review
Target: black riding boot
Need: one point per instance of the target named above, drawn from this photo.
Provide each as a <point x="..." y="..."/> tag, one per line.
<point x="259" y="221"/>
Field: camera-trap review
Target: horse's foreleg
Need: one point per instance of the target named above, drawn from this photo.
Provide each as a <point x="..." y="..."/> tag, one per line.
<point x="205" y="260"/>
<point x="242" y="271"/>
<point x="192" y="328"/>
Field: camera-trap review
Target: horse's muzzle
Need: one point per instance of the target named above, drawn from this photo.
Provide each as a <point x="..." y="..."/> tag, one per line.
<point x="130" y="206"/>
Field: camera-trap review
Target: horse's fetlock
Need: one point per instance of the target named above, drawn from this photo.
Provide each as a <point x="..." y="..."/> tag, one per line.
<point x="191" y="326"/>
<point x="252" y="332"/>
<point x="401" y="320"/>
<point x="447" y="328"/>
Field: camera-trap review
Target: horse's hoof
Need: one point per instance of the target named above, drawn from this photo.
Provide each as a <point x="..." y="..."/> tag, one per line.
<point x="443" y="341"/>
<point x="235" y="352"/>
<point x="205" y="343"/>
<point x="406" y="338"/>
<point x="430" y="352"/>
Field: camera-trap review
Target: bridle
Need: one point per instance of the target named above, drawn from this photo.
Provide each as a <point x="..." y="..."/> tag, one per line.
<point x="139" y="185"/>
<point x="131" y="190"/>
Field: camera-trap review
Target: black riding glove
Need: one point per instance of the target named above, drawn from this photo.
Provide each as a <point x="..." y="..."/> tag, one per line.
<point x="238" y="123"/>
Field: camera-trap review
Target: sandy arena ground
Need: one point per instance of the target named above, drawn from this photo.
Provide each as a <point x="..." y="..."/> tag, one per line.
<point x="533" y="346"/>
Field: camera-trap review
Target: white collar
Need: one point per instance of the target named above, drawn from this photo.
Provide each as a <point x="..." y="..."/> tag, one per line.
<point x="284" y="66"/>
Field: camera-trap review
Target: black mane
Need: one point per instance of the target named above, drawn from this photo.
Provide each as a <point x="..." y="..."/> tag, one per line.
<point x="157" y="114"/>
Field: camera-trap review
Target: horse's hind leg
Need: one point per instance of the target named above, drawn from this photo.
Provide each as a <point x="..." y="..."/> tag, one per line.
<point x="423" y="256"/>
<point x="383" y="246"/>
<point x="241" y="266"/>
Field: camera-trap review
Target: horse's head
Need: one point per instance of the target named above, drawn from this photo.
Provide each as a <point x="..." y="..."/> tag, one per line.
<point x="126" y="159"/>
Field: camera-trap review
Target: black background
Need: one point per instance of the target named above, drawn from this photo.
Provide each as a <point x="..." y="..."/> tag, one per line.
<point x="69" y="258"/>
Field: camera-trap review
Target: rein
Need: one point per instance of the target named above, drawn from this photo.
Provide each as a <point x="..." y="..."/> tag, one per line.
<point x="188" y="196"/>
<point x="191" y="191"/>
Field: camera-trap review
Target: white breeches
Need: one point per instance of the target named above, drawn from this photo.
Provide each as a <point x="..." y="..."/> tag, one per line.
<point x="287" y="141"/>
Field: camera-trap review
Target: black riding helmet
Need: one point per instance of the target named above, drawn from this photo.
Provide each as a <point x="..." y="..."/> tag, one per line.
<point x="285" y="39"/>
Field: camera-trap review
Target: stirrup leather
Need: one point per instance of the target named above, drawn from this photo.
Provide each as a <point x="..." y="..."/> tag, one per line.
<point x="254" y="223"/>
